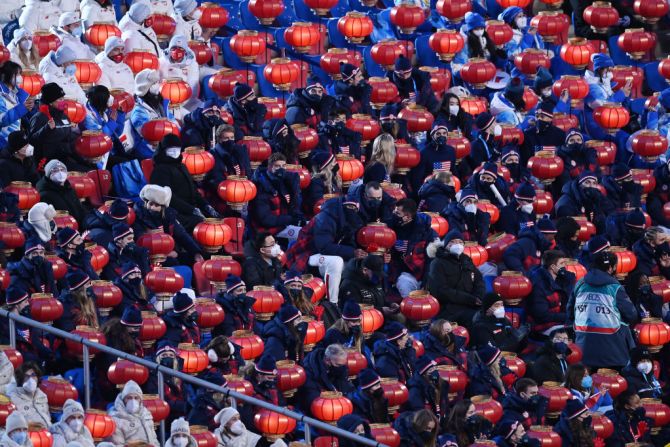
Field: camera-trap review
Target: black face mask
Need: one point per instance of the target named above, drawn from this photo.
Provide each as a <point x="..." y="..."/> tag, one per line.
<point x="37" y="261"/>
<point x="226" y="145"/>
<point x="592" y="194"/>
<point x="301" y="329"/>
<point x="543" y="126"/>
<point x="534" y="401"/>
<point x="25" y="311"/>
<point x="338" y="371"/>
<point x="193" y="317"/>
<point x="155" y="214"/>
<point x="441" y="140"/>
<point x="279" y="173"/>
<point x="214" y="121"/>
<point x="426" y="435"/>
<point x="513" y="168"/>
<point x="355" y="330"/>
<point x="640" y="413"/>
<point x="335" y="169"/>
<point x="373" y="203"/>
<point x="645" y="290"/>
<point x="135" y="282"/>
<point x="267" y="384"/>
<point x="167" y="362"/>
<point x="574" y="147"/>
<point x="388" y="127"/>
<point x="295" y="293"/>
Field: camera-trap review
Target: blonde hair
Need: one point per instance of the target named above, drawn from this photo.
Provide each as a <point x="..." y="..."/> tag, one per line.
<point x="443" y="177"/>
<point x="383" y="151"/>
<point x="331" y="182"/>
<point x="88" y="313"/>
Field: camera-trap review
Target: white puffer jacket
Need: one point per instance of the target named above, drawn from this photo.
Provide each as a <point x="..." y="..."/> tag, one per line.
<point x="10" y="10"/>
<point x="81" y="50"/>
<point x="137" y="37"/>
<point x="6" y="441"/>
<point x="132" y="427"/>
<point x="63" y="434"/>
<point x="34" y="408"/>
<point x="6" y="373"/>
<point x="53" y="73"/>
<point x="189" y="28"/>
<point x="92" y="12"/>
<point x="165" y="7"/>
<point x="39" y="14"/>
<point x="115" y="76"/>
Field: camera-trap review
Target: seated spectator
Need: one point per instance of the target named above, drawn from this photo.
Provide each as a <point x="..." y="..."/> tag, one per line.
<point x="229" y="158"/>
<point x="99" y="224"/>
<point x="262" y="266"/>
<point x="436" y="155"/>
<point x="437" y="192"/>
<point x="491" y="326"/>
<point x="325" y="180"/>
<point x="55" y="190"/>
<point x="326" y="371"/>
<point x="281" y="138"/>
<point x="639" y="375"/>
<point x="33" y="272"/>
<point x="551" y="364"/>
<point x="248" y="114"/>
<point x="525" y="405"/>
<point x="181" y="321"/>
<point x="379" y="167"/>
<point x="346" y="331"/>
<point x="22" y="51"/>
<point x="519" y="212"/>
<point x="567" y="239"/>
<point x="309" y="105"/>
<point x="6" y="372"/>
<point x="486" y="373"/>
<point x="426" y="390"/>
<point x="180" y="435"/>
<point x="467" y="219"/>
<point x="362" y="284"/>
<point x="334" y="137"/>
<point x="40" y="225"/>
<point x="237" y="307"/>
<point x="231" y="431"/>
<point x="29" y="400"/>
<point x="580" y="383"/>
<point x="368" y="398"/>
<point x="59" y="67"/>
<point x="71" y="426"/>
<point x="284" y="335"/>
<point x="524" y="253"/>
<point x="16" y="160"/>
<point x="352" y="92"/>
<point x="356" y="425"/>
<point x="16" y="431"/>
<point x="374" y="204"/>
<point x="629" y="419"/>
<point x="135" y="292"/>
<point x="71" y="249"/>
<point x="512" y="433"/>
<point x="442" y="345"/>
<point x="133" y="420"/>
<point x="395" y="356"/>
<point x="418" y="428"/>
<point x="78" y="307"/>
<point x="224" y="356"/>
<point x="200" y="126"/>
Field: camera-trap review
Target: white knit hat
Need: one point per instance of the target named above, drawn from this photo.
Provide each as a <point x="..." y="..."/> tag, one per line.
<point x="131" y="387"/>
<point x="180" y="426"/>
<point x="185" y="7"/>
<point x="71" y="408"/>
<point x="139" y="11"/>
<point x="15" y="421"/>
<point x="64" y="55"/>
<point x="112" y="43"/>
<point x="144" y="80"/>
<point x="223" y="416"/>
<point x="53" y="164"/>
<point x="158" y="194"/>
<point x="41" y="212"/>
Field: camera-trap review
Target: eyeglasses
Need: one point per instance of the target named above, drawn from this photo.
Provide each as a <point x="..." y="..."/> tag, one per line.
<point x="562" y="340"/>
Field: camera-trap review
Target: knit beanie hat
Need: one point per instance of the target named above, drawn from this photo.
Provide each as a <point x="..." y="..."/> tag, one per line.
<point x="71" y="408"/>
<point x="15" y="421"/>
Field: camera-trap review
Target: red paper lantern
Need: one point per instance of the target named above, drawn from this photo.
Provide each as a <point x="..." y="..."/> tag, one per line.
<point x="474" y="105"/>
<point x="123" y="100"/>
<point x="385" y="434"/>
<point x="611" y="379"/>
<point x="302" y="36"/>
<point x="550" y="25"/>
<point x="139" y="60"/>
<point x="365" y="125"/>
<point x="602" y="425"/>
<point x="330" y="62"/>
<point x="273" y="425"/>
<point x="316" y="330"/>
<point x="658" y="412"/>
<point x="123" y="371"/>
<point x="476" y="252"/>
<point x="626" y="261"/>
<point x="406" y="158"/>
<point x="513" y="287"/>
<point x="316" y="285"/>
<point x="89" y="333"/>
<point x="446" y="43"/>
<point x="383" y="92"/>
<point x="274" y="108"/>
<point x="499" y="32"/>
<point x="239" y="384"/>
<point x="420" y="307"/>
<point x="356" y="362"/>
<point x="218" y="268"/>
<point x="224" y="81"/>
<point x="27" y="194"/>
<point x="74" y="111"/>
<point x="386" y="52"/>
<point x="32" y="82"/>
<point x="576" y="268"/>
<point x="321" y="7"/>
<point x="487" y="407"/>
<point x="195" y="359"/>
<point x="478" y="72"/>
<point x="107" y="296"/>
<point x="649" y="144"/>
<point x="93" y="144"/>
<point x="529" y="60"/>
<point x="355" y="26"/>
<point x="575" y="355"/>
<point x="497" y="244"/>
<point x="309" y="139"/>
<point x="611" y="117"/>
<point x="281" y="72"/>
<point x="546" y="166"/>
<point x="407" y="17"/>
<point x="203" y="437"/>
<point x="98" y="33"/>
<point x="164" y="282"/>
<point x="39" y="435"/>
<point x="268" y="302"/>
<point x="576" y="86"/>
<point x="153" y="328"/>
<point x="213" y="15"/>
<point x="202" y="51"/>
<point x="350" y="169"/>
<point x="251" y="344"/>
<point x="418" y="118"/>
<point x="212" y="234"/>
<point x="247" y="45"/>
<point x="237" y="191"/>
<point x="623" y="73"/>
<point x="210" y="314"/>
<point x="565" y="122"/>
<point x="100" y="424"/>
<point x="636" y="42"/>
<point x="577" y="52"/>
<point x="58" y="390"/>
<point x="460" y="144"/>
<point x="652" y="333"/>
<point x="163" y="25"/>
<point x="515" y="364"/>
<point x="6" y="408"/>
<point x="396" y="394"/>
<point x="394" y="190"/>
<point x="453" y="10"/>
<point x="371" y="320"/>
<point x="159" y="244"/>
<point x="259" y="151"/>
<point x="601" y="15"/>
<point x="661" y="287"/>
<point x="646" y="179"/>
<point x="440" y="79"/>
<point x="490" y="209"/>
<point x="290" y="377"/>
<point x="302" y="172"/>
<point x="58" y="266"/>
<point x="45" y="308"/>
<point x="266" y="11"/>
<point x="13" y="355"/>
<point x="45" y="41"/>
<point x="82" y="184"/>
<point x="377" y="237"/>
<point x="158" y="408"/>
<point x="605" y="151"/>
<point x="663" y="68"/>
<point x="557" y="395"/>
<point x="176" y="90"/>
<point x="651" y="11"/>
<point x="586" y="228"/>
<point x="198" y="162"/>
<point x="88" y="72"/>
<point x="455" y="377"/>
<point x="438" y="223"/>
<point x="546" y="435"/>
<point x="154" y="130"/>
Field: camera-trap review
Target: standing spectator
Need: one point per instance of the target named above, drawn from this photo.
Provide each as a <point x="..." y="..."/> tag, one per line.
<point x="71" y="426"/>
<point x="16" y="160"/>
<point x="15" y="104"/>
<point x="602" y="325"/>
<point x="133" y="420"/>
<point x="179" y="62"/>
<point x="55" y="190"/>
<point x="30" y="401"/>
<point x="101" y="116"/>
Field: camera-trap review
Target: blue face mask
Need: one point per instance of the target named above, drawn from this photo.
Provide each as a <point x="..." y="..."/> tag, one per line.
<point x="587" y="382"/>
<point x="77" y="32"/>
<point x="19" y="437"/>
<point x="70" y="70"/>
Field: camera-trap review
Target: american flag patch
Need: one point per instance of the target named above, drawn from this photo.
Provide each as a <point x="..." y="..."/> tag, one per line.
<point x="401" y="246"/>
<point x="288" y="198"/>
<point x="526" y="224"/>
<point x="238" y="171"/>
<point x="24" y="333"/>
<point x="442" y="166"/>
<point x="344" y="150"/>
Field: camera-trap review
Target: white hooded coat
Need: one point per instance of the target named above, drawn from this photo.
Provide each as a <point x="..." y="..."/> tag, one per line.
<point x="53" y="73"/>
<point x="131" y="427"/>
<point x="39" y="15"/>
<point x="6" y="373"/>
<point x="188" y="70"/>
<point x="10" y="10"/>
<point x="92" y="12"/>
<point x="63" y="435"/>
<point x="28" y="60"/>
<point x="137" y="37"/>
<point x="6" y="441"/>
<point x="35" y="408"/>
<point x="115" y="76"/>
<point x="226" y="439"/>
<point x="81" y="50"/>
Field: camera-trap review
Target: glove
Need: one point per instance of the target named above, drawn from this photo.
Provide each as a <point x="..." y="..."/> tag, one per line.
<point x="212" y="212"/>
<point x="197" y="212"/>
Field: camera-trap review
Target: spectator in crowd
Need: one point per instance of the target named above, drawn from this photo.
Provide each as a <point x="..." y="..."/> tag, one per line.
<point x="231" y="430"/>
<point x="262" y="266"/>
<point x="16" y="431"/>
<point x="326" y="371"/>
<point x="116" y="74"/>
<point x="229" y="158"/>
<point x="248" y="114"/>
<point x="418" y="428"/>
<point x="33" y="272"/>
<point x="466" y="218"/>
<point x="6" y="372"/>
<point x="15" y="103"/>
<point x="78" y="303"/>
<point x="542" y="134"/>
<point x="309" y="105"/>
<point x="132" y="419"/>
<point x="69" y="32"/>
<point x="426" y="390"/>
<point x="368" y="399"/>
<point x="237" y="307"/>
<point x="55" y="190"/>
<point x="379" y="167"/>
<point x="523" y="255"/>
<point x="346" y="331"/>
<point x="135" y="292"/>
<point x="200" y="126"/>
<point x="639" y="375"/>
<point x="179" y="62"/>
<point x="93" y="11"/>
<point x="395" y="356"/>
<point x="629" y="419"/>
<point x="100" y="224"/>
<point x="284" y="335"/>
<point x="335" y="137"/>
<point x="186" y="16"/>
<point x="551" y="364"/>
<point x="281" y="138"/>
<point x="583" y="193"/>
<point x="525" y="404"/>
<point x="136" y="30"/>
<point x="16" y="160"/>
<point x="180" y="434"/>
<point x="29" y="400"/>
<point x="580" y="384"/>
<point x="325" y="180"/>
<point x="71" y="249"/>
<point x="442" y="344"/>
<point x="182" y="321"/>
<point x="486" y="373"/>
<point x="22" y="51"/>
<point x="59" y="67"/>
<point x="519" y="213"/>
<point x="491" y="326"/>
<point x="352" y="92"/>
<point x="362" y="283"/>
<point x="71" y="426"/>
<point x="437" y="192"/>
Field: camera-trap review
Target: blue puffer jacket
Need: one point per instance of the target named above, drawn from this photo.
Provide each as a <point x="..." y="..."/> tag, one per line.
<point x="391" y="361"/>
<point x="525" y="253"/>
<point x="434" y="196"/>
<point x="279" y="342"/>
<point x="139" y="116"/>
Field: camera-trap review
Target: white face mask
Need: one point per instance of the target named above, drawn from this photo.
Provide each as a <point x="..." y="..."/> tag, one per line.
<point x="546" y="92"/>
<point x="18" y="80"/>
<point x="211" y="355"/>
<point x="456" y="249"/>
<point x="110" y="101"/>
<point x="644" y="367"/>
<point x="499" y="312"/>
<point x="196" y="15"/>
<point x="70" y="70"/>
<point x="237" y="428"/>
<point x="19" y="437"/>
<point x="76" y="425"/>
<point x="132" y="406"/>
<point x="173" y="152"/>
<point x="527" y="208"/>
<point x="609" y="76"/>
<point x="26" y="45"/>
<point x="479" y="32"/>
<point x="59" y="177"/>
<point x="30" y="385"/>
<point x="453" y="110"/>
<point x="521" y="22"/>
<point x="180" y="441"/>
<point x="29" y="150"/>
<point x="275" y="250"/>
<point x="154" y="89"/>
<point x="497" y="130"/>
<point x="471" y="208"/>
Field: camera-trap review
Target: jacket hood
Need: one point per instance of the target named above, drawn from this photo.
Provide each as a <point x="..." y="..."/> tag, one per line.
<point x="434" y="187"/>
<point x="500" y="104"/>
<point x="597" y="278"/>
<point x="298" y="99"/>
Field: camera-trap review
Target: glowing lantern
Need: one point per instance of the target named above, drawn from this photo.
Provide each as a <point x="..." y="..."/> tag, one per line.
<point x="577" y="52"/>
<point x="546" y="435"/>
<point x="268" y="302"/>
<point x="644" y="178"/>
<point x="396" y="394"/>
<point x="649" y="144"/>
<point x="281" y="72"/>
<point x="529" y="60"/>
<point x="575" y="355"/>
<point x="195" y="359"/>
<point x="651" y="11"/>
<point x="213" y="15"/>
<point x="455" y="377"/>
<point x="576" y="268"/>
<point x="210" y="314"/>
<point x="371" y="320"/>
<point x="364" y="125"/>
<point x="259" y="151"/>
<point x="515" y="363"/>
<point x="636" y="42"/>
<point x="153" y="328"/>
<point x="159" y="244"/>
<point x="202" y="51"/>
<point x="497" y="244"/>
<point x="556" y="395"/>
<point x="661" y="287"/>
<point x="32" y="82"/>
<point x="98" y="33"/>
<point x="203" y="437"/>
<point x="576" y="86"/>
<point x="27" y="194"/>
<point x="478" y="72"/>
<point x="376" y="238"/>
<point x="266" y="11"/>
<point x="490" y="209"/>
<point x="164" y="282"/>
<point x="39" y="435"/>
<point x="158" y="408"/>
<point x="237" y="191"/>
<point x="250" y="343"/>
<point x="154" y="130"/>
<point x="273" y="425"/>
<point x="330" y="62"/>
<point x="316" y="330"/>
<point x="107" y="296"/>
<point x="290" y="377"/>
<point x="663" y="68"/>
<point x="487" y="407"/>
<point x="309" y="139"/>
<point x="218" y="268"/>
<point x="386" y="52"/>
<point x="139" y="60"/>
<point x="550" y="25"/>
<point x="601" y="15"/>
<point x="163" y="25"/>
<point x="212" y="234"/>
<point x="656" y="411"/>
<point x="356" y="362"/>
<point x="418" y="118"/>
<point x="419" y="307"/>
<point x="100" y="424"/>
<point x="198" y="162"/>
<point x="499" y="32"/>
<point x="350" y="169"/>
<point x="122" y="100"/>
<point x="383" y="92"/>
<point x="45" y="308"/>
<point x="385" y="434"/>
<point x="330" y="406"/>
<point x="13" y="355"/>
<point x="407" y="17"/>
<point x="45" y="41"/>
<point x="546" y="166"/>
<point x="239" y="384"/>
<point x="513" y="287"/>
<point x="611" y="379"/>
<point x="302" y="36"/>
<point x="223" y="82"/>
<point x="474" y="105"/>
<point x="85" y="332"/>
<point x="122" y="371"/>
<point x="476" y="252"/>
<point x="626" y="261"/>
<point x="58" y="266"/>
<point x="247" y="45"/>
<point x="652" y="333"/>
<point x="602" y="425"/>
<point x="176" y="90"/>
<point x="446" y="43"/>
<point x="93" y="144"/>
<point x="438" y="223"/>
<point x="453" y="10"/>
<point x="355" y="26"/>
<point x="74" y="111"/>
<point x="605" y="151"/>
<point x="302" y="172"/>
<point x="565" y="122"/>
<point x="58" y="390"/>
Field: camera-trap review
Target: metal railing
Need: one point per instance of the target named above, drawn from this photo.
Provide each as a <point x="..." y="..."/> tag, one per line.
<point x="161" y="371"/>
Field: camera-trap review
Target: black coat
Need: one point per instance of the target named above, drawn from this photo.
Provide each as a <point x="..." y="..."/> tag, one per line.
<point x="99" y="227"/>
<point x="474" y="227"/>
<point x="146" y="220"/>
<point x="301" y="109"/>
<point x="277" y="203"/>
<point x="357" y="287"/>
<point x="457" y="284"/>
<point x="434" y="196"/>
<point x="257" y="272"/>
<point x="547" y="367"/>
<point x="238" y="313"/>
<point x="248" y="120"/>
<point x="320" y="378"/>
<point x="229" y="159"/>
<point x="534" y="140"/>
<point x="573" y="203"/>
<point x="32" y="276"/>
<point x="487" y="329"/>
<point x="62" y="198"/>
<point x="198" y="130"/>
<point x="13" y="169"/>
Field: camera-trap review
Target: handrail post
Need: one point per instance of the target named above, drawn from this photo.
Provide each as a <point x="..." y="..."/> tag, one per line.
<point x="308" y="434"/>
<point x="161" y="394"/>
<point x="87" y="378"/>
<point x="12" y="333"/>
<point x="233" y="403"/>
